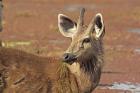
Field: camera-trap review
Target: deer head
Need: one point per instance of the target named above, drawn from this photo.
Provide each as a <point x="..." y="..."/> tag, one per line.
<point x="82" y="38"/>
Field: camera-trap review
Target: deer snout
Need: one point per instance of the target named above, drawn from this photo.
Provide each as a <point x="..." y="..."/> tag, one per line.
<point x="69" y="57"/>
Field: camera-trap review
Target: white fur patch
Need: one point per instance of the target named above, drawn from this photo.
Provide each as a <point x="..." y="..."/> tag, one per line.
<point x="75" y="68"/>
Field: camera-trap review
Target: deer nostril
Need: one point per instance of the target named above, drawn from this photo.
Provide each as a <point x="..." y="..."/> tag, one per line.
<point x="66" y="56"/>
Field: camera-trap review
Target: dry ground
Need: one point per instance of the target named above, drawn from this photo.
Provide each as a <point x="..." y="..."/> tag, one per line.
<point x="35" y="21"/>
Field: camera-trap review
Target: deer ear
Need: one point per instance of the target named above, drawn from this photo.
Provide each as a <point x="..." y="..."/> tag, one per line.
<point x="99" y="26"/>
<point x="67" y="27"/>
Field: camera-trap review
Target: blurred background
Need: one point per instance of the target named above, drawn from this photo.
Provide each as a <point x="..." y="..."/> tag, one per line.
<point x="31" y="25"/>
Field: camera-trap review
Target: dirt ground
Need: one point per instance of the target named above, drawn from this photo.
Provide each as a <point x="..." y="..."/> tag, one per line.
<point x="35" y="21"/>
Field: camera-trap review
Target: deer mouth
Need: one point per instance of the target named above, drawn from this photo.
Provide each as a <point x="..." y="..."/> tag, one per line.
<point x="69" y="58"/>
<point x="71" y="61"/>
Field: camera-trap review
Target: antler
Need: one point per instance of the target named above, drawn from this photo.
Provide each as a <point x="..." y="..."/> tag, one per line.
<point x="80" y="22"/>
<point x="91" y="25"/>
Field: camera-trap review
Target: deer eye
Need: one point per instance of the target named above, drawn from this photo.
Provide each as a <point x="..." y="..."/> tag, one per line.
<point x="86" y="40"/>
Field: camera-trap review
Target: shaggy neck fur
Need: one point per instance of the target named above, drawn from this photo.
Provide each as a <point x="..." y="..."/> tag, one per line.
<point x="88" y="68"/>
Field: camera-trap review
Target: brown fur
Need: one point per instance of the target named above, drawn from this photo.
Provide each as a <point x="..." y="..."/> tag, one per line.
<point x="22" y="72"/>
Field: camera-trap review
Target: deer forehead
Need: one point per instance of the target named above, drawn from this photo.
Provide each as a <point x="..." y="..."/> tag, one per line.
<point x="80" y="36"/>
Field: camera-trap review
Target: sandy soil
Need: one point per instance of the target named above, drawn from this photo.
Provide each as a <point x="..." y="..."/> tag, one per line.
<point x="35" y="21"/>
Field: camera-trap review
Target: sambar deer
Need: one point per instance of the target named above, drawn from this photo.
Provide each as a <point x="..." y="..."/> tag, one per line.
<point x="79" y="72"/>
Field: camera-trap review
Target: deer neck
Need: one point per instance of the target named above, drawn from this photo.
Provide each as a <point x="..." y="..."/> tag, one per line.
<point x="87" y="70"/>
<point x="82" y="78"/>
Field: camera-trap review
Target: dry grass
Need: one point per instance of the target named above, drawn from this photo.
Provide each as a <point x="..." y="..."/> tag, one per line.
<point x="25" y="14"/>
<point x="9" y="44"/>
